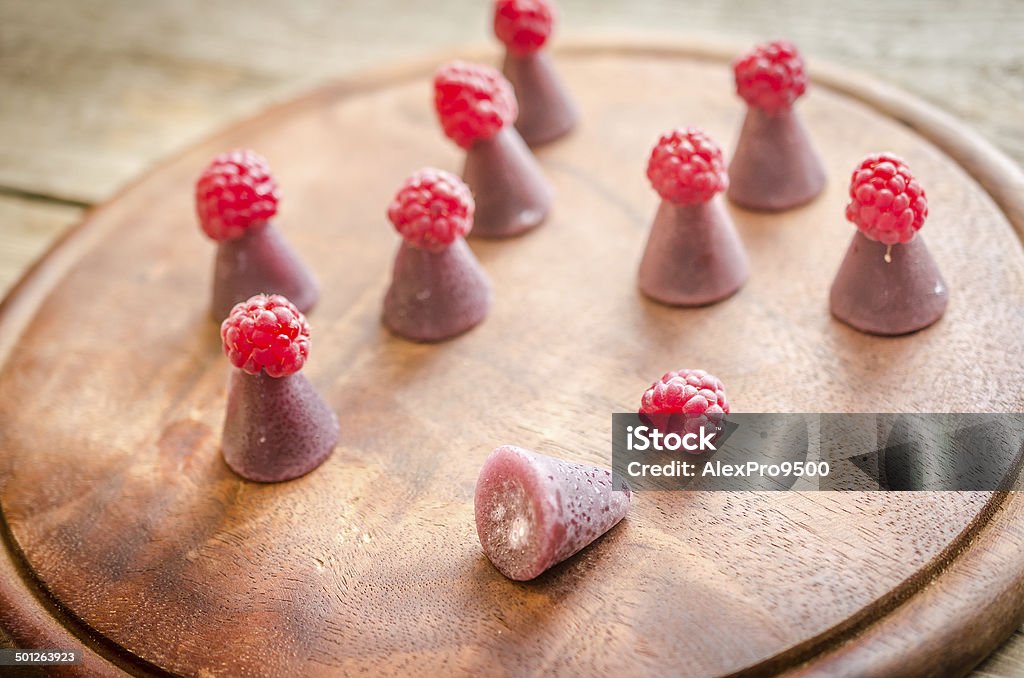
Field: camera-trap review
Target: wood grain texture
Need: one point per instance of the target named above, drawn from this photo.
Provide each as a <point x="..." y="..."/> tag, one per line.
<point x="30" y="227"/>
<point x="99" y="90"/>
<point x="114" y="490"/>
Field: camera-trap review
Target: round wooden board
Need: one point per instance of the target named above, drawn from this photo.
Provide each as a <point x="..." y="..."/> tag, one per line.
<point x="126" y="534"/>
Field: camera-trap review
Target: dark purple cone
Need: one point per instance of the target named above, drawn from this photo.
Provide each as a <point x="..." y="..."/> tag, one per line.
<point x="276" y="428"/>
<point x="260" y="261"/>
<point x="512" y="194"/>
<point x="534" y="511"/>
<point x="775" y="166"/>
<point x="436" y="295"/>
<point x="546" y="111"/>
<point x="904" y="295"/>
<point x="694" y="255"/>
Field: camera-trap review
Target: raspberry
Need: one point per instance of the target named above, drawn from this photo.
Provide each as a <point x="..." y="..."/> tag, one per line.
<point x="235" y="192"/>
<point x="686" y="167"/>
<point x="886" y="202"/>
<point x="685" y="391"/>
<point x="266" y="333"/>
<point x="523" y="25"/>
<point x="432" y="209"/>
<point x="695" y="394"/>
<point x="473" y="102"/>
<point x="771" y="76"/>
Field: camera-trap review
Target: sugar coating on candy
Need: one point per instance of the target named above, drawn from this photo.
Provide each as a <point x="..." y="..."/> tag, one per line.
<point x="771" y="76"/>
<point x="235" y="191"/>
<point x="523" y="25"/>
<point x="276" y="429"/>
<point x="432" y="209"/>
<point x="686" y="167"/>
<point x="694" y="393"/>
<point x="533" y="511"/>
<point x="887" y="203"/>
<point x="473" y="102"/>
<point x="266" y="334"/>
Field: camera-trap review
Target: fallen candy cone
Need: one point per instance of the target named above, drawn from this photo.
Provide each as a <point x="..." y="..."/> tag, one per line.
<point x="888" y="283"/>
<point x="546" y="111"/>
<point x="534" y="511"/>
<point x="693" y="255"/>
<point x="775" y="166"/>
<point x="236" y="197"/>
<point x="476" y="107"/>
<point x="438" y="289"/>
<point x="276" y="427"/>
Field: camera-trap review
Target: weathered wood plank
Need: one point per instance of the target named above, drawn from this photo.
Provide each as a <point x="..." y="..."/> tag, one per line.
<point x="97" y="90"/>
<point x="27" y="228"/>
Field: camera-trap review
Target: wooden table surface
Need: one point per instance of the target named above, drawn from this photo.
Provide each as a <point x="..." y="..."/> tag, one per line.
<point x="97" y="91"/>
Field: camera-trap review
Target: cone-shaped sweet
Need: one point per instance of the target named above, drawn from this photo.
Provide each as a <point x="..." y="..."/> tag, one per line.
<point x="512" y="195"/>
<point x="476" y="107"/>
<point x="888" y="283"/>
<point x="546" y="111"/>
<point x="775" y="166"/>
<point x="534" y="511"/>
<point x="438" y="289"/>
<point x="260" y="260"/>
<point x="694" y="255"/>
<point x="903" y="295"/>
<point x="436" y="295"/>
<point x="236" y="197"/>
<point x="276" y="427"/>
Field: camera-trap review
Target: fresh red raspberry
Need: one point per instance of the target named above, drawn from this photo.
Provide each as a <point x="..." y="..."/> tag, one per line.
<point x="695" y="394"/>
<point x="686" y="167"/>
<point x="886" y="202"/>
<point x="523" y="25"/>
<point x="771" y="76"/>
<point x="234" y="192"/>
<point x="266" y="333"/>
<point x="473" y="102"/>
<point x="432" y="209"/>
<point x="685" y="391"/>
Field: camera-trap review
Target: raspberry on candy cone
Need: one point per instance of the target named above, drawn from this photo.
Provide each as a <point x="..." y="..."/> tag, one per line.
<point x="276" y="426"/>
<point x="775" y="166"/>
<point x="236" y="198"/>
<point x="476" y="107"/>
<point x="888" y="283"/>
<point x="546" y="111"/>
<point x="886" y="202"/>
<point x="438" y="289"/>
<point x="693" y="255"/>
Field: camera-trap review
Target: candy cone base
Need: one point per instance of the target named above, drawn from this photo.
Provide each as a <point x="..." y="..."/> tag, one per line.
<point x="775" y="166"/>
<point x="260" y="261"/>
<point x="888" y="298"/>
<point x="276" y="428"/>
<point x="693" y="256"/>
<point x="546" y="111"/>
<point x="436" y="295"/>
<point x="511" y="193"/>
